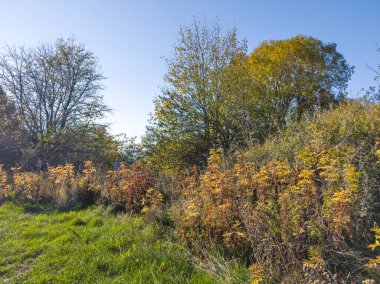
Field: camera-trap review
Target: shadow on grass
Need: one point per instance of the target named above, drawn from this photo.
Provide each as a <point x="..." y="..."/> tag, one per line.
<point x="41" y="207"/>
<point x="46" y="207"/>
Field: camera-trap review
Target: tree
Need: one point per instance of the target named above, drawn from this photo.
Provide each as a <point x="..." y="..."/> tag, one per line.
<point x="217" y="96"/>
<point x="9" y="134"/>
<point x="297" y="76"/>
<point x="54" y="87"/>
<point x="130" y="151"/>
<point x="89" y="142"/>
<point x="373" y="92"/>
<point x="189" y="117"/>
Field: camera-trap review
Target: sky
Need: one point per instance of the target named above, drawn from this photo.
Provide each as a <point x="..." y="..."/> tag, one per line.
<point x="130" y="38"/>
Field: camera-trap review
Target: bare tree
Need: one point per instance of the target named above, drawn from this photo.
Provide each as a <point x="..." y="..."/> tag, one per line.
<point x="10" y="136"/>
<point x="54" y="88"/>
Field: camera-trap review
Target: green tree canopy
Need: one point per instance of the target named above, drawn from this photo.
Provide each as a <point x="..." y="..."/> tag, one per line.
<point x="296" y="76"/>
<point x="189" y="118"/>
<point x="218" y="96"/>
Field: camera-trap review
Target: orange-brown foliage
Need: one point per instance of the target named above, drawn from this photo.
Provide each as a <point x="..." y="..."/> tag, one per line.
<point x="129" y="185"/>
<point x="4" y="187"/>
<point x="277" y="211"/>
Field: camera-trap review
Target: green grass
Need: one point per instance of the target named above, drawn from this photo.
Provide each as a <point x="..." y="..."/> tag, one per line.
<point x="91" y="246"/>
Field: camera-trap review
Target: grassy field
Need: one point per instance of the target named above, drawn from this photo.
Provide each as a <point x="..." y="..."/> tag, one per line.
<point x="92" y="246"/>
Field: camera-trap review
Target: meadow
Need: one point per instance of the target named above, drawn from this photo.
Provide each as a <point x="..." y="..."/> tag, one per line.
<point x="39" y="244"/>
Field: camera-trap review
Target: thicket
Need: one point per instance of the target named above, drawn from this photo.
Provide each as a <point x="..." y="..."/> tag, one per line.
<point x="298" y="207"/>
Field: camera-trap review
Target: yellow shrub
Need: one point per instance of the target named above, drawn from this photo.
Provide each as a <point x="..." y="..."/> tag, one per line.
<point x="63" y="183"/>
<point x="374" y="263"/>
<point x="88" y="180"/>
<point x="211" y="212"/>
<point x="258" y="274"/>
<point x="279" y="210"/>
<point x="152" y="203"/>
<point x="129" y="185"/>
<point x="62" y="175"/>
<point x="338" y="181"/>
<point x="4" y="187"/>
<point x="29" y="185"/>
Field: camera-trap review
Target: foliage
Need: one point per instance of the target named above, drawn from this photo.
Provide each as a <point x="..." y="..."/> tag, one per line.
<point x="88" y="181"/>
<point x="374" y="263"/>
<point x="189" y="116"/>
<point x="217" y="96"/>
<point x="152" y="204"/>
<point x="130" y="187"/>
<point x="297" y="76"/>
<point x="130" y="151"/>
<point x="296" y="203"/>
<point x="75" y="145"/>
<point x="352" y="124"/>
<point x="279" y="214"/>
<point x="4" y="187"/>
<point x="211" y="211"/>
<point x="57" y="185"/>
<point x="30" y="185"/>
<point x="64" y="184"/>
<point x="88" y="142"/>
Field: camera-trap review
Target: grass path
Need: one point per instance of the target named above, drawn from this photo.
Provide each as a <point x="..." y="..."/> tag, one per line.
<point x="87" y="246"/>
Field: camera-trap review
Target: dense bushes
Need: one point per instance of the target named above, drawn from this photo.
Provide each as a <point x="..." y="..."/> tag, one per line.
<point x="210" y="213"/>
<point x="129" y="188"/>
<point x="354" y="125"/>
<point x="297" y="208"/>
<point x="303" y="199"/>
<point x="281" y="214"/>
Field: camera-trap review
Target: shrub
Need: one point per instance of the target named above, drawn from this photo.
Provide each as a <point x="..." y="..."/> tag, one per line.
<point x="4" y="187"/>
<point x="127" y="187"/>
<point x="354" y="125"/>
<point x="281" y="215"/>
<point x="152" y="204"/>
<point x="210" y="213"/>
<point x="30" y="185"/>
<point x="374" y="263"/>
<point x="89" y="184"/>
<point x="64" y="183"/>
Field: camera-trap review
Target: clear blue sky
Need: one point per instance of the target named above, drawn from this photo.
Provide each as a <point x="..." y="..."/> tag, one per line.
<point x="130" y="37"/>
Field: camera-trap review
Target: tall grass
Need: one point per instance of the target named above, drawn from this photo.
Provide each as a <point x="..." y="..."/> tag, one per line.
<point x="42" y="245"/>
